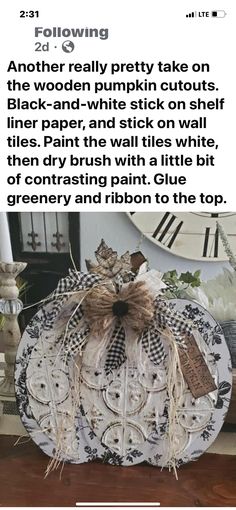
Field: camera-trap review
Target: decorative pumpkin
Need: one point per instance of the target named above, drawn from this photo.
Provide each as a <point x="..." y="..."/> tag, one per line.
<point x="109" y="370"/>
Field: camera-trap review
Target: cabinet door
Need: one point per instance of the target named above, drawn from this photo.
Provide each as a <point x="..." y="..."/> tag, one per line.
<point x="44" y="241"/>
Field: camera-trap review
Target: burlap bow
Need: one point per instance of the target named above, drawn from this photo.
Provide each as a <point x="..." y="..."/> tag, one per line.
<point x="104" y="310"/>
<point x="132" y="307"/>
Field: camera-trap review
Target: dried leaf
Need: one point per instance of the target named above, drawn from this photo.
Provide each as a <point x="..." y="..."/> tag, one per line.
<point x="137" y="259"/>
<point x="109" y="265"/>
<point x="105" y="256"/>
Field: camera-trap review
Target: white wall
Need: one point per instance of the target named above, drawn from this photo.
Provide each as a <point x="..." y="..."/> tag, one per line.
<point x="119" y="233"/>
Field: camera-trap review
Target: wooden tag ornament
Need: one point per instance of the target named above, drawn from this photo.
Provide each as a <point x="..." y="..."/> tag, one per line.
<point x="195" y="369"/>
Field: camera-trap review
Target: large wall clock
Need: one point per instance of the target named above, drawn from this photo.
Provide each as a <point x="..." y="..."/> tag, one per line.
<point x="190" y="235"/>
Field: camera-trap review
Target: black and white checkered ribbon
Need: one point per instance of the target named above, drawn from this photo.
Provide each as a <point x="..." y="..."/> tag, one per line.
<point x="164" y="318"/>
<point x="77" y="331"/>
<point x="66" y="288"/>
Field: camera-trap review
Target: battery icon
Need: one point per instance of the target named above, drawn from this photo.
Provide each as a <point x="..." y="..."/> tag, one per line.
<point x="218" y="14"/>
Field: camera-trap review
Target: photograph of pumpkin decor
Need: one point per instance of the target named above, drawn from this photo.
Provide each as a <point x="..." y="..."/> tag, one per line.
<point x="111" y="369"/>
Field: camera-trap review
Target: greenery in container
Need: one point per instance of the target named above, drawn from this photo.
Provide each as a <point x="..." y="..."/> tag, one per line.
<point x="218" y="295"/>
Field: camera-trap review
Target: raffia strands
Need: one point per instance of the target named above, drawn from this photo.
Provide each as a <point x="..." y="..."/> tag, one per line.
<point x="99" y="311"/>
<point x="175" y="387"/>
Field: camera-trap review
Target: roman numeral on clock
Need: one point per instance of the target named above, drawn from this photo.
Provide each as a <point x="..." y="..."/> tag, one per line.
<point x="211" y="243"/>
<point x="162" y="233"/>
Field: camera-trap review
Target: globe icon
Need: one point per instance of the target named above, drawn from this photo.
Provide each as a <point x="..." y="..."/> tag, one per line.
<point x="68" y="46"/>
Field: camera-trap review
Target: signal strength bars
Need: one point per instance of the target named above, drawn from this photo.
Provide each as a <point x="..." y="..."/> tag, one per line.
<point x="191" y="14"/>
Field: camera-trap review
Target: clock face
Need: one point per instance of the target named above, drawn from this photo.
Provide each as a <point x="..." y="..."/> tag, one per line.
<point x="190" y="235"/>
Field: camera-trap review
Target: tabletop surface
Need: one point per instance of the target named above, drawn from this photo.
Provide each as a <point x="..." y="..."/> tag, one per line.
<point x="210" y="481"/>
